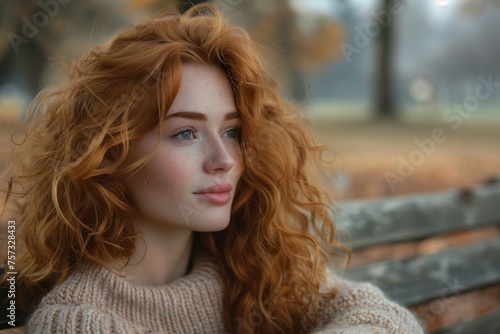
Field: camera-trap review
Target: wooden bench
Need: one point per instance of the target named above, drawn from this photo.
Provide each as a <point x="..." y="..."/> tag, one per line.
<point x="438" y="254"/>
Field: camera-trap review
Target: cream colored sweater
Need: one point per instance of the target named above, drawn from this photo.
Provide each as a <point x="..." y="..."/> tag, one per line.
<point x="96" y="300"/>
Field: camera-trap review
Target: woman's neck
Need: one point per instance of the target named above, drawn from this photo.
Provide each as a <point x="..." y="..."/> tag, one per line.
<point x="160" y="256"/>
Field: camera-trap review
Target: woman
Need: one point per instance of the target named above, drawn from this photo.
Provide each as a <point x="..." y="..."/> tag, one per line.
<point x="167" y="189"/>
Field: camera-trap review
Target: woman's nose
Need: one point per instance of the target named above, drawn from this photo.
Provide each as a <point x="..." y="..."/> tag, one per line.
<point x="219" y="157"/>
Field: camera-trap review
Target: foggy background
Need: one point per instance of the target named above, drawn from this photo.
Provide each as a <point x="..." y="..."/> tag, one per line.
<point x="329" y="53"/>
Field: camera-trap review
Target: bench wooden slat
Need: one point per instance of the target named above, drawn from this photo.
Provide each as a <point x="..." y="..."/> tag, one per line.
<point x="371" y="223"/>
<point x="416" y="280"/>
<point x="488" y="324"/>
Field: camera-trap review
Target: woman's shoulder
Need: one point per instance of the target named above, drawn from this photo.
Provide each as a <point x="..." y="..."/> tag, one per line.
<point x="78" y="318"/>
<point x="71" y="303"/>
<point x="82" y="286"/>
<point x="361" y="307"/>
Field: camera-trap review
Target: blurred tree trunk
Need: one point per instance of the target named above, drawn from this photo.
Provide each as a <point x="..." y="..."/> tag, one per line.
<point x="21" y="59"/>
<point x="186" y="4"/>
<point x="384" y="101"/>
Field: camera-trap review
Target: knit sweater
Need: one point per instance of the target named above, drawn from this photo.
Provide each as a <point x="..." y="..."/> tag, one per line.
<point x="95" y="300"/>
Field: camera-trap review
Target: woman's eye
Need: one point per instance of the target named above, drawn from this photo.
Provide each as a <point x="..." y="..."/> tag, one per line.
<point x="185" y="134"/>
<point x="231" y="133"/>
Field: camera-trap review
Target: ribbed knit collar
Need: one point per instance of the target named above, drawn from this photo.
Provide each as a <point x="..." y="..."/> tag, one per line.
<point x="191" y="302"/>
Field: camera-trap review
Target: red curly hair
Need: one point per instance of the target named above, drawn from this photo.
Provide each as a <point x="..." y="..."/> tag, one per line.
<point x="69" y="171"/>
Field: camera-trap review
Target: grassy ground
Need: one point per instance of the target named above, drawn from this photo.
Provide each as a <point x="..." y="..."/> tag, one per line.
<point x="386" y="158"/>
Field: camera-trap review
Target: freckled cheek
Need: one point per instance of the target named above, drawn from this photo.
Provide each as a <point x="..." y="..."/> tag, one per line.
<point x="170" y="174"/>
<point x="155" y="177"/>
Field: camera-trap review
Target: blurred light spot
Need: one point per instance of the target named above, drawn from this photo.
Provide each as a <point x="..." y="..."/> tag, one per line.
<point x="443" y="2"/>
<point x="421" y="90"/>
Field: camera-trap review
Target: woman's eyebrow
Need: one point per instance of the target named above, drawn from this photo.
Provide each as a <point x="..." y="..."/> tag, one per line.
<point x="201" y="116"/>
<point x="231" y="115"/>
<point x="189" y="114"/>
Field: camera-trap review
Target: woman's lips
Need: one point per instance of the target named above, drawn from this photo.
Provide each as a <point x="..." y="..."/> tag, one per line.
<point x="215" y="198"/>
<point x="219" y="193"/>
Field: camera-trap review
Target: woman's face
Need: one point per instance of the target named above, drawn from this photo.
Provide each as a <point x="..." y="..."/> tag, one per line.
<point x="190" y="180"/>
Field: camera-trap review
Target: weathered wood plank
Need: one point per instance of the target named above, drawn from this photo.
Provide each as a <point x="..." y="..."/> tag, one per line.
<point x="489" y="324"/>
<point x="447" y="312"/>
<point x="405" y="218"/>
<point x="416" y="280"/>
<point x="433" y="244"/>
